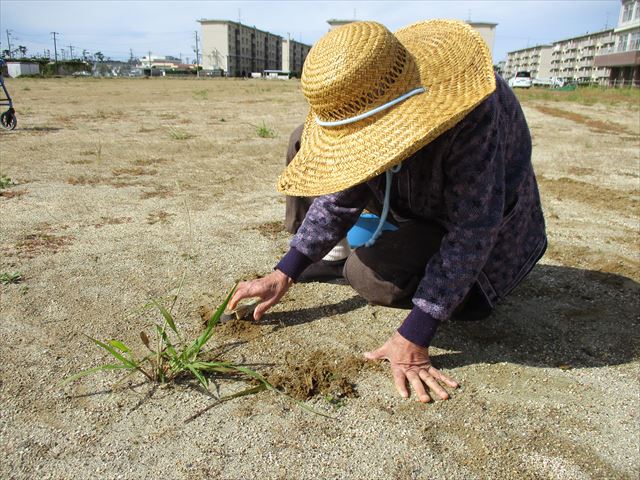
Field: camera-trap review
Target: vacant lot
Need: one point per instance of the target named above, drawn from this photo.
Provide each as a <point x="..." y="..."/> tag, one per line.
<point x="122" y="187"/>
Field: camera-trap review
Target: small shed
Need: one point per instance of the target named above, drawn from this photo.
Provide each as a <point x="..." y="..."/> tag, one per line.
<point x="16" y="69"/>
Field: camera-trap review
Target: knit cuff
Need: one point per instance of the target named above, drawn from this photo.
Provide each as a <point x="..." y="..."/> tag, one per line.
<point x="419" y="327"/>
<point x="293" y="263"/>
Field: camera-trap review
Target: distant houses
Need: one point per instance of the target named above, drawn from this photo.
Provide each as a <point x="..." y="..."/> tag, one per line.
<point x="238" y="50"/>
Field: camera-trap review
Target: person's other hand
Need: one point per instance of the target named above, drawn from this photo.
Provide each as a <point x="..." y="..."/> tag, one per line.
<point x="269" y="289"/>
<point x="410" y="362"/>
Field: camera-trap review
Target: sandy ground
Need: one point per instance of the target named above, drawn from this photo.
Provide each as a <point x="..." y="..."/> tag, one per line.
<point x="124" y="186"/>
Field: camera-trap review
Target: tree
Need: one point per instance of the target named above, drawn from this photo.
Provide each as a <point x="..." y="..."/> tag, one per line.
<point x="6" y="54"/>
<point x="99" y="56"/>
<point x="23" y="50"/>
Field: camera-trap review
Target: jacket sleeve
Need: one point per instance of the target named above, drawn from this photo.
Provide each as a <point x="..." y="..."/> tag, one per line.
<point x="474" y="193"/>
<point x="327" y="222"/>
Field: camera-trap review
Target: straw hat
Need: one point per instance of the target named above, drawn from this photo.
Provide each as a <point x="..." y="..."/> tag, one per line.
<point x="353" y="75"/>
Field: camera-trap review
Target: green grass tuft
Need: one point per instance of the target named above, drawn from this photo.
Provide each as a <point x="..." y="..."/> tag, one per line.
<point x="6" y="182"/>
<point x="10" y="277"/>
<point x="180" y="134"/>
<point x="201" y="94"/>
<point x="265" y="132"/>
<point x="170" y="357"/>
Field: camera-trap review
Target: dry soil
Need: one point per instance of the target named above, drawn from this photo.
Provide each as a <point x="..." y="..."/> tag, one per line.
<point x="124" y="186"/>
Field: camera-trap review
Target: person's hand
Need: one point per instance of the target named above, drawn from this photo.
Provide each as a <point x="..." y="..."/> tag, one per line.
<point x="269" y="289"/>
<point x="411" y="362"/>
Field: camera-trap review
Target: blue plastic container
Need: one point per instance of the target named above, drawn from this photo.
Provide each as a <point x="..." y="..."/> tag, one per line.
<point x="364" y="229"/>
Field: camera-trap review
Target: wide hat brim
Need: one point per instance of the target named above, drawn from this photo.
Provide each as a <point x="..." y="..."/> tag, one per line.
<point x="457" y="72"/>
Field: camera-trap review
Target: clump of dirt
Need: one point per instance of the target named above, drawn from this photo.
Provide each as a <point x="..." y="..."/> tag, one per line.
<point x="38" y="243"/>
<point x="145" y="162"/>
<point x="245" y="330"/>
<point x="112" y="221"/>
<point x="12" y="193"/>
<point x="157" y="192"/>
<point x="159" y="217"/>
<point x="594" y="195"/>
<point x="84" y="180"/>
<point x="134" y="171"/>
<point x="320" y="373"/>
<point x="597" y="126"/>
<point x="271" y="229"/>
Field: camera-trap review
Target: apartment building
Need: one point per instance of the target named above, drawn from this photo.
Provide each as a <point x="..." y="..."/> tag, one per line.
<point x="293" y="56"/>
<point x="536" y="60"/>
<point x="622" y="58"/>
<point x="573" y="59"/>
<point x="237" y="49"/>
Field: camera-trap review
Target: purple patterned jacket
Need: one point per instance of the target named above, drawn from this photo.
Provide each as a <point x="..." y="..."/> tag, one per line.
<point x="477" y="181"/>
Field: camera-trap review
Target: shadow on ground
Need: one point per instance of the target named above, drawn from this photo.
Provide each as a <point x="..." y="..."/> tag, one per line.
<point x="559" y="316"/>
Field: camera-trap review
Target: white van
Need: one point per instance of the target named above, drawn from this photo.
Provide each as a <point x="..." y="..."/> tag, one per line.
<point x="521" y="80"/>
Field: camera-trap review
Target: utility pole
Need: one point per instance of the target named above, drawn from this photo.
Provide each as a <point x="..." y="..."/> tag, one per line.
<point x="70" y="51"/>
<point x="55" y="49"/>
<point x="9" y="41"/>
<point x="197" y="56"/>
<point x="149" y="58"/>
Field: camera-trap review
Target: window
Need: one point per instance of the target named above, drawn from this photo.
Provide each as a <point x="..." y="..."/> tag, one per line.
<point x="627" y="12"/>
<point x="622" y="42"/>
<point x="634" y="41"/>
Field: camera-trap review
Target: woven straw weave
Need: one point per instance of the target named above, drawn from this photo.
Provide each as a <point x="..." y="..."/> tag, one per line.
<point x="361" y="66"/>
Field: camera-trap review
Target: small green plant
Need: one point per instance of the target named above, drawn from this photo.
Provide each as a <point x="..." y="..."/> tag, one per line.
<point x="222" y="120"/>
<point x="10" y="277"/>
<point x="179" y="134"/>
<point x="200" y="94"/>
<point x="170" y="357"/>
<point x="6" y="182"/>
<point x="265" y="132"/>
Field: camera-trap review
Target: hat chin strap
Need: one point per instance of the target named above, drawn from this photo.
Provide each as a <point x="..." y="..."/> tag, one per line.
<point x="385" y="206"/>
<point x="364" y="115"/>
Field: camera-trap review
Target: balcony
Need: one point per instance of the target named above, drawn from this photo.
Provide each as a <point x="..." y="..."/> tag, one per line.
<point x="611" y="58"/>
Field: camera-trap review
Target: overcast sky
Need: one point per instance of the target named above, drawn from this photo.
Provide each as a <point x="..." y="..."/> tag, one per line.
<point x="167" y="27"/>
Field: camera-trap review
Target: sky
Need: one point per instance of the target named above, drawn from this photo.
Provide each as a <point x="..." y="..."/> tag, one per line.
<point x="116" y="27"/>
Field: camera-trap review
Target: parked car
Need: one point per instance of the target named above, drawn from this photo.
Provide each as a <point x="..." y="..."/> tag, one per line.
<point x="552" y="82"/>
<point x="521" y="80"/>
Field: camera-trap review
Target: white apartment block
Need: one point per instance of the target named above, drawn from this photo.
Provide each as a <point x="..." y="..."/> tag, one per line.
<point x="536" y="60"/>
<point x="622" y="58"/>
<point x="238" y="49"/>
<point x="293" y="56"/>
<point x="573" y="59"/>
<point x="607" y="57"/>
